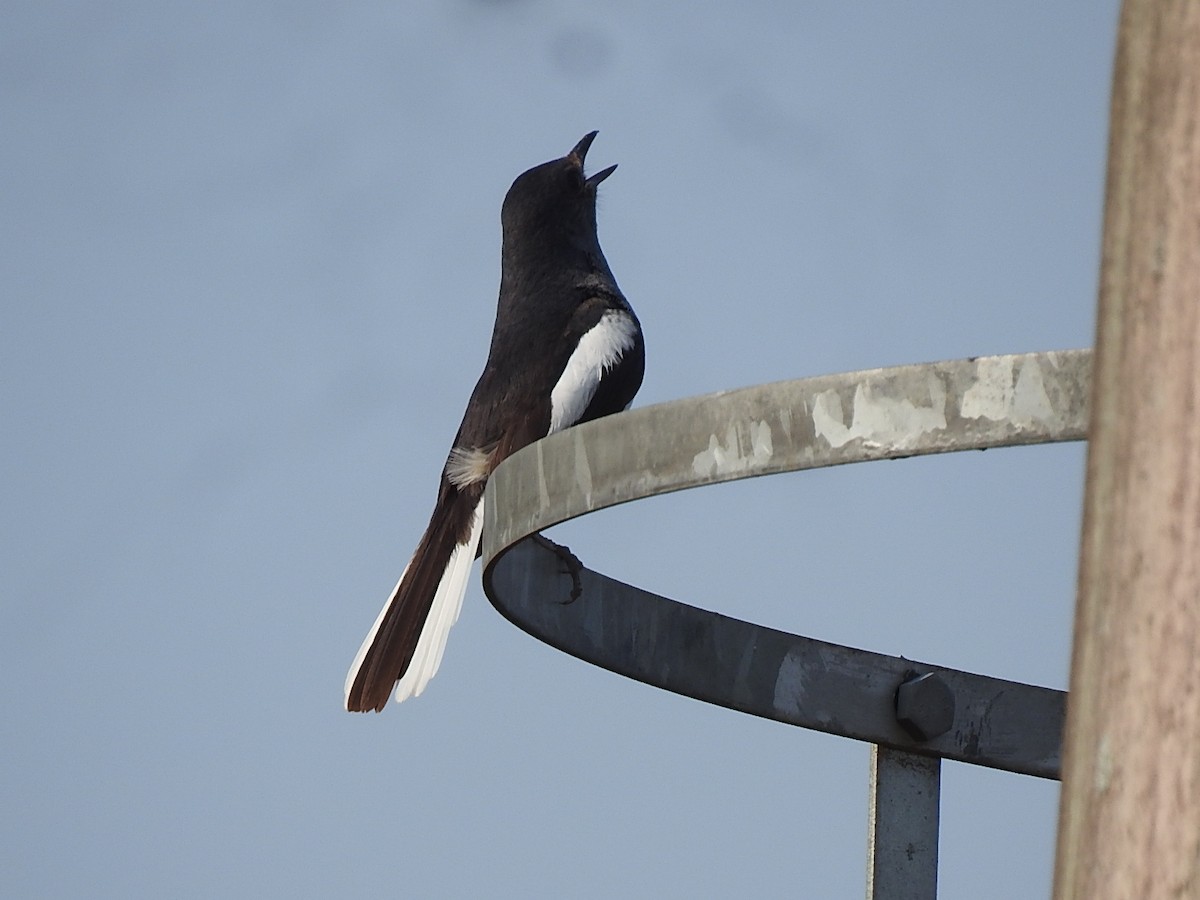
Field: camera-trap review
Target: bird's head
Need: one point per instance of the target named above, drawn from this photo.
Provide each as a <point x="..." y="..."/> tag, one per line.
<point x="554" y="203"/>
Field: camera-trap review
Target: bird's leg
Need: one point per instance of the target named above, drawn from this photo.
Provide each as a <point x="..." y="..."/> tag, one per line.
<point x="571" y="565"/>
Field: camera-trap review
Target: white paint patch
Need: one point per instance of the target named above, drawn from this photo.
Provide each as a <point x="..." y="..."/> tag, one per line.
<point x="829" y="421"/>
<point x="598" y="351"/>
<point x="789" y="685"/>
<point x="785" y="420"/>
<point x="1004" y="393"/>
<point x="468" y="465"/>
<point x="991" y="396"/>
<point x="878" y="419"/>
<point x="743" y="447"/>
<point x="583" y="469"/>
<point x="543" y="488"/>
<point x="447" y="604"/>
<point x="1032" y="403"/>
<point x="800" y="672"/>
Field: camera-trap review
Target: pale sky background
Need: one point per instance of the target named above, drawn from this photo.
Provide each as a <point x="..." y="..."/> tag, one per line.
<point x="249" y="260"/>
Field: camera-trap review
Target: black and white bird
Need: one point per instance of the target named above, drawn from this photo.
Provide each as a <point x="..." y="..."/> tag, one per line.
<point x="566" y="348"/>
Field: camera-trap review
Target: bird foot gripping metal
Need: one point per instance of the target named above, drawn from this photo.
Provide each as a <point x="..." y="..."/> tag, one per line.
<point x="914" y="714"/>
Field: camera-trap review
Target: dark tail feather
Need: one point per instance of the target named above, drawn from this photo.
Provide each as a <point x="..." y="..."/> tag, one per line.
<point x="408" y="638"/>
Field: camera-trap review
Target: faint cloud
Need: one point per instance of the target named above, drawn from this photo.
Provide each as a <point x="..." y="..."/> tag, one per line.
<point x="752" y="117"/>
<point x="581" y="52"/>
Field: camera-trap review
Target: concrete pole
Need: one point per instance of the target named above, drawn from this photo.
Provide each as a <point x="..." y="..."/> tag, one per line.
<point x="1129" y="823"/>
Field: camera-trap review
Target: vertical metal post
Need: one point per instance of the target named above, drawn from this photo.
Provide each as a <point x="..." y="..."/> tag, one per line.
<point x="902" y="845"/>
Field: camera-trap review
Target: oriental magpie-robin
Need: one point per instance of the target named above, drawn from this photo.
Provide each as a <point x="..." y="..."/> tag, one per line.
<point x="566" y="348"/>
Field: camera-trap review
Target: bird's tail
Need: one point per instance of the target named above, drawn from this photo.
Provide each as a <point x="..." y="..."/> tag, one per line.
<point x="406" y="643"/>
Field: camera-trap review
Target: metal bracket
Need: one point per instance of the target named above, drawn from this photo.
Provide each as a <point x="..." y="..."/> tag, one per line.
<point x="971" y="404"/>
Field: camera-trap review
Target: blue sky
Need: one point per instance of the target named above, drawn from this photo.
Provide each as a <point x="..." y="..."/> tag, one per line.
<point x="250" y="255"/>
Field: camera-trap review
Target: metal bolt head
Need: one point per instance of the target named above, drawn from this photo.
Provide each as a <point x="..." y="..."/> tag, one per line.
<point x="925" y="706"/>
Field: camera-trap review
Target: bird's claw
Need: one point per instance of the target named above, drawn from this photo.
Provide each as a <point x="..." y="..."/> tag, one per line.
<point x="570" y="566"/>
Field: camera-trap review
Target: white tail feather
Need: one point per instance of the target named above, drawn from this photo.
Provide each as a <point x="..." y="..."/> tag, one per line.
<point x="447" y="604"/>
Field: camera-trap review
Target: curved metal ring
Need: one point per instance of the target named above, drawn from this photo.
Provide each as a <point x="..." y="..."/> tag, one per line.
<point x="829" y="420"/>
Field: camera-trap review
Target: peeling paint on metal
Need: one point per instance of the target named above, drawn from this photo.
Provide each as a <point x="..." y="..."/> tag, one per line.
<point x="785" y="420"/>
<point x="583" y="469"/>
<point x="877" y="418"/>
<point x="721" y="458"/>
<point x="1032" y="403"/>
<point x="991" y="396"/>
<point x="760" y="434"/>
<point x="543" y="491"/>
<point x="789" y="685"/>
<point x="1008" y="389"/>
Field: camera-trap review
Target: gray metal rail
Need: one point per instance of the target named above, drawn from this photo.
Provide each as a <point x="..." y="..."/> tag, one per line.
<point x="915" y="713"/>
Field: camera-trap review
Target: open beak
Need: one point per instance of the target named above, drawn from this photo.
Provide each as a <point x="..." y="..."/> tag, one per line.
<point x="600" y="176"/>
<point x="579" y="154"/>
<point x="579" y="151"/>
